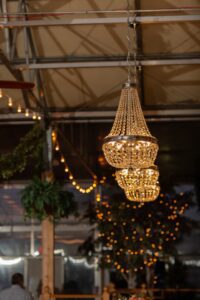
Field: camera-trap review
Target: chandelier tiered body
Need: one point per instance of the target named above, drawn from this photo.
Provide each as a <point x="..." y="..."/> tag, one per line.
<point x="143" y="194"/>
<point x="131" y="178"/>
<point x="132" y="150"/>
<point x="130" y="144"/>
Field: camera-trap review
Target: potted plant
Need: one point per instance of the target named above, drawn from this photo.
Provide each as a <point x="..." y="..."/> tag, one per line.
<point x="42" y="199"/>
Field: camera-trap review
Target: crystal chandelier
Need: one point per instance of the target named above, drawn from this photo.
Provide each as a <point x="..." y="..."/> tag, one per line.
<point x="130" y="144"/>
<point x="143" y="194"/>
<point x="133" y="178"/>
<point x="130" y="147"/>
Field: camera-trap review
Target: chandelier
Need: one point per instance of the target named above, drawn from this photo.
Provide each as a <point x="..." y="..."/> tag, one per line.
<point x="133" y="178"/>
<point x="130" y="147"/>
<point x="129" y="143"/>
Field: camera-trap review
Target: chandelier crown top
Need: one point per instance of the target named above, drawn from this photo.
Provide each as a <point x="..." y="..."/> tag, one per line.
<point x="129" y="118"/>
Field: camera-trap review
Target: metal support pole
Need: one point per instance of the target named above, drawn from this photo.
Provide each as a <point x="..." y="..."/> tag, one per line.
<point x="32" y="238"/>
<point x="48" y="225"/>
<point x="41" y="93"/>
<point x="6" y="30"/>
<point x="14" y="34"/>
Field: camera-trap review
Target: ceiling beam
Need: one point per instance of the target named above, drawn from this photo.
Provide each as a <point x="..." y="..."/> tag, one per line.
<point x="104" y="64"/>
<point x="107" y="116"/>
<point x="100" y="20"/>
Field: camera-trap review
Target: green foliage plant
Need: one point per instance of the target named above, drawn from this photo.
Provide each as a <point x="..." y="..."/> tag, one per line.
<point x="42" y="199"/>
<point x="28" y="149"/>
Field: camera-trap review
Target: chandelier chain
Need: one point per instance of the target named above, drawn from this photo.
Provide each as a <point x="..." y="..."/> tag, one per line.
<point x="135" y="48"/>
<point x="129" y="42"/>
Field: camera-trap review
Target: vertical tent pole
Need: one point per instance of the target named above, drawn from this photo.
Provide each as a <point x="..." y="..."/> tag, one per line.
<point x="48" y="227"/>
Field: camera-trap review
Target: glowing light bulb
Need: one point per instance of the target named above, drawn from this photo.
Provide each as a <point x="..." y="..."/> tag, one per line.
<point x="10" y="102"/>
<point x="27" y="112"/>
<point x="19" y="109"/>
<point x="62" y="159"/>
<point x="1" y="93"/>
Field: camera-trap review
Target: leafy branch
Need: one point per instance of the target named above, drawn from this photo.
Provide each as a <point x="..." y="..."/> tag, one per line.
<point x="29" y="148"/>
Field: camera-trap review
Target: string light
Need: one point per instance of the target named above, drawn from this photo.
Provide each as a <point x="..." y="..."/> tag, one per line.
<point x="19" y="109"/>
<point x="27" y="112"/>
<point x="67" y="170"/>
<point x="10" y="102"/>
<point x="146" y="252"/>
<point x="98" y="197"/>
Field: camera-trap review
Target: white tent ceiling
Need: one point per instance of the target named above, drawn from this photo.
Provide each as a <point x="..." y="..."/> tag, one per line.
<point x="169" y="51"/>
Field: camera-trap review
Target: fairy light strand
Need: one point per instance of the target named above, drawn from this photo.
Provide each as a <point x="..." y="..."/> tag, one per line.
<point x="165" y="233"/>
<point x="69" y="173"/>
<point x="17" y="108"/>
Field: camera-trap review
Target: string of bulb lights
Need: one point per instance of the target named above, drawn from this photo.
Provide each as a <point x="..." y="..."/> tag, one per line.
<point x="18" y="108"/>
<point x="69" y="173"/>
<point x="130" y="147"/>
<point x="125" y="240"/>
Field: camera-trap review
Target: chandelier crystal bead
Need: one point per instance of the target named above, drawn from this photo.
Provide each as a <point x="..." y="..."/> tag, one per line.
<point x="132" y="178"/>
<point x="129" y="143"/>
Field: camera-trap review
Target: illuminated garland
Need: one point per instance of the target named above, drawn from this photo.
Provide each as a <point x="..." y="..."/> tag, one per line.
<point x="134" y="236"/>
<point x="19" y="109"/>
<point x="70" y="175"/>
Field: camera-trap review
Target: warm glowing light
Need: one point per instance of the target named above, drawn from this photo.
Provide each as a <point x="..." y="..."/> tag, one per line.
<point x="143" y="194"/>
<point x="19" y="109"/>
<point x="62" y="160"/>
<point x="27" y="112"/>
<point x="130" y="144"/>
<point x="10" y="102"/>
<point x="135" y="177"/>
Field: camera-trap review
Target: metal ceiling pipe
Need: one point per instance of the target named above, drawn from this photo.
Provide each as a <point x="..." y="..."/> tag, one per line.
<point x="156" y="115"/>
<point x="105" y="64"/>
<point x="95" y="21"/>
<point x="108" y="11"/>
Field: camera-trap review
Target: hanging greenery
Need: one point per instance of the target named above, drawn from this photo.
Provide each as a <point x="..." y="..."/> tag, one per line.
<point x="29" y="149"/>
<point x="42" y="199"/>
